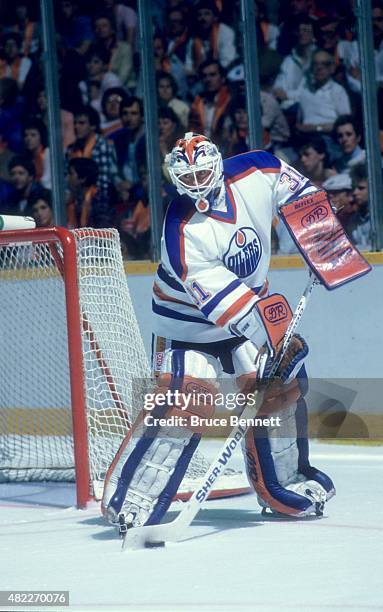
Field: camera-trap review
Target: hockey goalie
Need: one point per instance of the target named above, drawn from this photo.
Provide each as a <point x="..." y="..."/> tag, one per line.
<point x="213" y="314"/>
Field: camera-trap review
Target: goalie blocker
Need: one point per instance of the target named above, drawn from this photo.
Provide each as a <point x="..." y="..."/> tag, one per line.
<point x="151" y="462"/>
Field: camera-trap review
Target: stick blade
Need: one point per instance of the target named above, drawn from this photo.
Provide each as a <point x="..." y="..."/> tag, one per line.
<point x="151" y="536"/>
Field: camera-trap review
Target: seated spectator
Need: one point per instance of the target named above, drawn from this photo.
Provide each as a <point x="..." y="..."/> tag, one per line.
<point x="93" y="94"/>
<point x="122" y="202"/>
<point x="126" y="21"/>
<point x="344" y="52"/>
<point x="348" y="134"/>
<point x="314" y="161"/>
<point x="17" y="65"/>
<point x="293" y="11"/>
<point x="361" y="224"/>
<point x="120" y="52"/>
<point x="276" y="131"/>
<point x="129" y="141"/>
<point x="170" y="130"/>
<point x="39" y="207"/>
<point x="339" y="188"/>
<point x="236" y="129"/>
<point x="35" y="145"/>
<point x="74" y="30"/>
<point x="11" y="112"/>
<point x="97" y="69"/>
<point x="167" y="92"/>
<point x="208" y="109"/>
<point x="297" y="64"/>
<point x="110" y="106"/>
<point x="87" y="206"/>
<point x="90" y="144"/>
<point x="29" y="30"/>
<point x="161" y="60"/>
<point x="341" y="77"/>
<point x="270" y="31"/>
<point x="134" y="224"/>
<point x="177" y="36"/>
<point x="22" y="173"/>
<point x="321" y="100"/>
<point x="67" y="126"/>
<point x="7" y="195"/>
<point x="211" y="40"/>
<point x="5" y="157"/>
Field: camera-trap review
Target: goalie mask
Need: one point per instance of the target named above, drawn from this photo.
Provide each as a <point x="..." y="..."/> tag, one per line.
<point x="196" y="169"/>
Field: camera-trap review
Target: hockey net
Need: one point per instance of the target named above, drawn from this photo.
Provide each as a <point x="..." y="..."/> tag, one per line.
<point x="73" y="361"/>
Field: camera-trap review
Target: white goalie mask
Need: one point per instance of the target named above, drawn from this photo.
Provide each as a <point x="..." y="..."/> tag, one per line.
<point x="196" y="169"/>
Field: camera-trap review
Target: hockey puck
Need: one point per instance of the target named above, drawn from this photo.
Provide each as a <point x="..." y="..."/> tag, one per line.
<point x="154" y="544"/>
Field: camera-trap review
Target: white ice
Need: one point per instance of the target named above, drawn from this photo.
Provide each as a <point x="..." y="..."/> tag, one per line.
<point x="232" y="558"/>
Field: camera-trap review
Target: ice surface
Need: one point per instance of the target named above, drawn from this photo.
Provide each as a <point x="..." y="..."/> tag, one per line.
<point x="232" y="557"/>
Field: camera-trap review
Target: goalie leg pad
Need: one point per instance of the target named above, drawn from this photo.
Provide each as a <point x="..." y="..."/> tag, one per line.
<point x="150" y="465"/>
<point x="278" y="465"/>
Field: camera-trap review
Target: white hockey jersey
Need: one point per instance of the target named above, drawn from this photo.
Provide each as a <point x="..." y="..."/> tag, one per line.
<point x="214" y="265"/>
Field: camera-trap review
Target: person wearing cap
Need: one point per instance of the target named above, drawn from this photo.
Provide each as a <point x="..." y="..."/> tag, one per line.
<point x="339" y="188"/>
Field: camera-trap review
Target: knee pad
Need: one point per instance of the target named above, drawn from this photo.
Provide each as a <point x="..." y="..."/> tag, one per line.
<point x="195" y="381"/>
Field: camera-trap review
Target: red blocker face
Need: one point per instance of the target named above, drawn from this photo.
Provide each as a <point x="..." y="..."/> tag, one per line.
<point x="322" y="241"/>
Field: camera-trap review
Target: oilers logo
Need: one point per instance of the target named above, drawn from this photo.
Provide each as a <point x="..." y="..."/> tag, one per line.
<point x="244" y="252"/>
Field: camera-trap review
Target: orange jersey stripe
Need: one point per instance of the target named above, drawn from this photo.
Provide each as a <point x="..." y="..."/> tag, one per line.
<point x="234" y="308"/>
<point x="167" y="298"/>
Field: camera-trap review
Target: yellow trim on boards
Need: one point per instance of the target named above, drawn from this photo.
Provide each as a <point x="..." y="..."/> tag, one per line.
<point x="278" y="262"/>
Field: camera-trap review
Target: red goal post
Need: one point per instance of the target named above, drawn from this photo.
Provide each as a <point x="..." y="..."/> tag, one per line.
<point x="73" y="360"/>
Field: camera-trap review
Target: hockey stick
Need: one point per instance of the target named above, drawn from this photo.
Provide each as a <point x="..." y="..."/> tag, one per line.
<point x="157" y="535"/>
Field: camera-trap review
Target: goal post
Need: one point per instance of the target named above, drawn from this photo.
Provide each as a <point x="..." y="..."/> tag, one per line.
<point x="65" y="240"/>
<point x="73" y="360"/>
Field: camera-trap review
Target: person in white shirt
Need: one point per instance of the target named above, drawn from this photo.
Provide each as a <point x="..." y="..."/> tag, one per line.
<point x="97" y="69"/>
<point x="321" y="99"/>
<point x="17" y="66"/>
<point x="212" y="40"/>
<point x="126" y="21"/>
<point x="297" y="64"/>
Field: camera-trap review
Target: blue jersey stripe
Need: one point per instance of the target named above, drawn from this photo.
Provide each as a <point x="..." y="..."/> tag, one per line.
<point x="172" y="314"/>
<point x="260" y="160"/>
<point x="169" y="280"/>
<point x="179" y="211"/>
<point x="219" y="297"/>
<point x="298" y="193"/>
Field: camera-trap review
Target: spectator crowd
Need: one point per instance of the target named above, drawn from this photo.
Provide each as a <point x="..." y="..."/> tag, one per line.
<point x="311" y="107"/>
